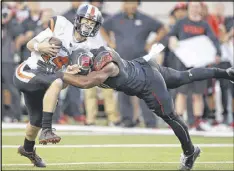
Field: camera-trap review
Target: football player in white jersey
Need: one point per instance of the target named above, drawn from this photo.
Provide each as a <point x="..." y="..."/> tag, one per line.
<point x="40" y="89"/>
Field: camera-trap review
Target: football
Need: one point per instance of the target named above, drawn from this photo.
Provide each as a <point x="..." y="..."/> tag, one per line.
<point x="53" y="41"/>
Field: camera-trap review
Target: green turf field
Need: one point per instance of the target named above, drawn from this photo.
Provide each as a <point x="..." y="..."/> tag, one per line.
<point x="129" y="152"/>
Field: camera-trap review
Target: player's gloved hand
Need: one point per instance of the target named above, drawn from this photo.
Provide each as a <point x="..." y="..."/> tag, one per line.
<point x="156" y="49"/>
<point x="46" y="67"/>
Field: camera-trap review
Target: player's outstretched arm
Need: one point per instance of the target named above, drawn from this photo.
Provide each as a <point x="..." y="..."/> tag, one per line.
<point x="93" y="79"/>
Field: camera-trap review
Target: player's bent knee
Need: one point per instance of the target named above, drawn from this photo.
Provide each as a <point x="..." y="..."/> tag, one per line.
<point x="31" y="132"/>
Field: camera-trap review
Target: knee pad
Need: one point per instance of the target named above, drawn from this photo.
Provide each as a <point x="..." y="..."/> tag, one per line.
<point x="31" y="132"/>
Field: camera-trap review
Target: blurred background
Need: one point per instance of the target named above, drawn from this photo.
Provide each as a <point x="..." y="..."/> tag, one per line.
<point x="205" y="106"/>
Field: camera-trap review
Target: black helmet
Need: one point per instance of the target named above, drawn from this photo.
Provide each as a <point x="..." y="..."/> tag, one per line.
<point x="83" y="58"/>
<point x="92" y="13"/>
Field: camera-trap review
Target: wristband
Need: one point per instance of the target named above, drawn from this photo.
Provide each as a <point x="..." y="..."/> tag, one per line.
<point x="36" y="47"/>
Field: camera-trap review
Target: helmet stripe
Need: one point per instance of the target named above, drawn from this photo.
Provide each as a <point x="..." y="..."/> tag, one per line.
<point x="92" y="11"/>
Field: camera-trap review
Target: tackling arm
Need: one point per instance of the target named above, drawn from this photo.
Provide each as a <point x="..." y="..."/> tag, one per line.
<point x="93" y="79"/>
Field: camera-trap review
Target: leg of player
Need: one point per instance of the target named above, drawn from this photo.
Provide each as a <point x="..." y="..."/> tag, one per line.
<point x="49" y="104"/>
<point x="175" y="79"/>
<point x="27" y="149"/>
<point x="33" y="102"/>
<point x="159" y="100"/>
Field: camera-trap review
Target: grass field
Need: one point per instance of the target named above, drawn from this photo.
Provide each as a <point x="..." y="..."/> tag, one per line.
<point x="117" y="152"/>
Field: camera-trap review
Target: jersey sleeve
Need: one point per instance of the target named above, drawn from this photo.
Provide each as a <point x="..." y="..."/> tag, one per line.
<point x="58" y="25"/>
<point x="47" y="33"/>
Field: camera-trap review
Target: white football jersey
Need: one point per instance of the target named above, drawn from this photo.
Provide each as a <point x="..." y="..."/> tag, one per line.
<point x="62" y="29"/>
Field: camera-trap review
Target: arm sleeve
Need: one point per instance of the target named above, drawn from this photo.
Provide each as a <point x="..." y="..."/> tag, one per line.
<point x="213" y="38"/>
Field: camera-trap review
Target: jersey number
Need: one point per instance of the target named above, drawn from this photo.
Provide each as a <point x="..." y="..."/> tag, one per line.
<point x="59" y="61"/>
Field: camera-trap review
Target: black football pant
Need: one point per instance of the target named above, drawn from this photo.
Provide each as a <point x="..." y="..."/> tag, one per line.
<point x="159" y="100"/>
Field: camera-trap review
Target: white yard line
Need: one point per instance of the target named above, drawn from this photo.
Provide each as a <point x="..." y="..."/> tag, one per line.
<point x="122" y="146"/>
<point x="13" y="134"/>
<point x="121" y="131"/>
<point x="107" y="163"/>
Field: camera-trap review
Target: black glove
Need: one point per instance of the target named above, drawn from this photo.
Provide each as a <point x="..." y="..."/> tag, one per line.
<point x="46" y="67"/>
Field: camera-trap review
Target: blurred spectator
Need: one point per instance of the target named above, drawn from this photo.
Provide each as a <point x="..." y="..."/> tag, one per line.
<point x="42" y="24"/>
<point x="209" y="96"/>
<point x="90" y="95"/>
<point x="22" y="11"/>
<point x="179" y="11"/>
<point x="72" y="107"/>
<point x="70" y="14"/>
<point x="211" y="19"/>
<point x="131" y="29"/>
<point x="219" y="12"/>
<point x="225" y="85"/>
<point x="99" y="5"/>
<point x="29" y="25"/>
<point x="11" y="96"/>
<point x="182" y="30"/>
<point x="229" y="26"/>
<point x="219" y="24"/>
<point x="170" y="59"/>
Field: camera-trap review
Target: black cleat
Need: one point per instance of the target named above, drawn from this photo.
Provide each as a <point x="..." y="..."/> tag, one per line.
<point x="187" y="162"/>
<point x="230" y="72"/>
<point x="48" y="136"/>
<point x="35" y="159"/>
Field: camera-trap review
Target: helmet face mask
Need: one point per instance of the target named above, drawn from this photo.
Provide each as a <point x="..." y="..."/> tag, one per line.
<point x="86" y="27"/>
<point x="88" y="20"/>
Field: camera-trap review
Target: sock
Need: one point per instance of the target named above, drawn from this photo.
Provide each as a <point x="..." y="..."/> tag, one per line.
<point x="181" y="131"/>
<point x="47" y="120"/>
<point x="28" y="145"/>
<point x="198" y="74"/>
